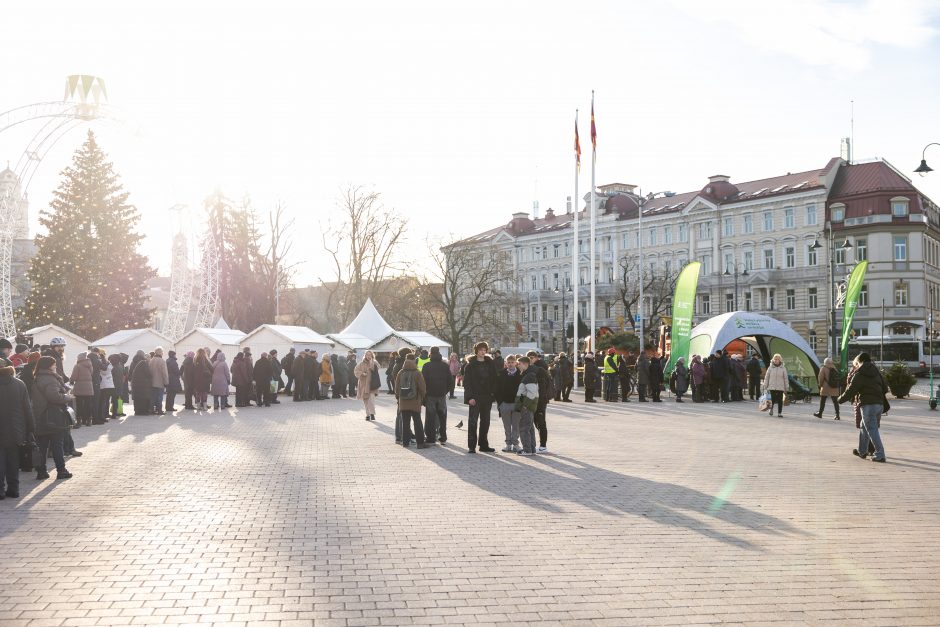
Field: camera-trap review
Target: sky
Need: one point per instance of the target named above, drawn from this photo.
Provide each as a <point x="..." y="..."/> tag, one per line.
<point x="461" y="114"/>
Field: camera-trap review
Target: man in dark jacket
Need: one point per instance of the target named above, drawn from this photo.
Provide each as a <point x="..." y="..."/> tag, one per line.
<point x="188" y="375"/>
<point x="545" y="384"/>
<point x="656" y="378"/>
<point x="173" y="387"/>
<point x="351" y="373"/>
<point x="263" y="374"/>
<point x="97" y="366"/>
<point x="403" y="354"/>
<point x="297" y="367"/>
<point x="311" y="377"/>
<point x="479" y="384"/>
<point x="287" y="365"/>
<point x="437" y="381"/>
<point x="16" y="428"/>
<point x="721" y="373"/>
<point x="339" y="376"/>
<point x="869" y="390"/>
<point x="753" y="377"/>
<point x="592" y="376"/>
<point x="275" y="375"/>
<point x="567" y="377"/>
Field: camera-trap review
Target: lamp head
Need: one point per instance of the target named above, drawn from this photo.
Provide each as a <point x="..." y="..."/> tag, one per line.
<point x="923" y="168"/>
<point x="846" y="244"/>
<point x="815" y="245"/>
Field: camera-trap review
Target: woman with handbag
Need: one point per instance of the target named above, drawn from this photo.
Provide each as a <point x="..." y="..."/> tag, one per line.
<point x="368" y="383"/>
<point x="50" y="411"/>
<point x="776" y="381"/>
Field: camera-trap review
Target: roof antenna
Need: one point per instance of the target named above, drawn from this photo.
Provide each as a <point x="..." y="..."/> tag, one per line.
<point x="852" y="130"/>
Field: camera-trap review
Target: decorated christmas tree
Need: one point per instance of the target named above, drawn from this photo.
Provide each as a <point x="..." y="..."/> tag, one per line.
<point x="87" y="275"/>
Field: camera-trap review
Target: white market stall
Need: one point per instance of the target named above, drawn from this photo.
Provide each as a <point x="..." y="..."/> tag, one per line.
<point x="129" y="341"/>
<point x="370" y="331"/>
<point x="416" y="340"/>
<point x="282" y="338"/>
<point x="226" y="340"/>
<point x="74" y="344"/>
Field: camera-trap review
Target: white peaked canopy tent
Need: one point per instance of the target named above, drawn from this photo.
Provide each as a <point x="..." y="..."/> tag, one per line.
<point x="766" y="335"/>
<point x="282" y="338"/>
<point x="370" y="331"/>
<point x="226" y="340"/>
<point x="73" y="343"/>
<point x="369" y="323"/>
<point x="413" y="339"/>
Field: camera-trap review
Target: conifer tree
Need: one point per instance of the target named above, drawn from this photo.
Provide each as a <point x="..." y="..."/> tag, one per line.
<point x="87" y="275"/>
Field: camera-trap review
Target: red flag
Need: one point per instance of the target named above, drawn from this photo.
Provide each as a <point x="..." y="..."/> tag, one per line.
<point x="577" y="143"/>
<point x="593" y="128"/>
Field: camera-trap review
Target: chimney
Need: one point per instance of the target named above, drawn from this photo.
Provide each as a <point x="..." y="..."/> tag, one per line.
<point x="550" y="214"/>
<point x="719" y="178"/>
<point x="535" y="210"/>
<point x="520" y="215"/>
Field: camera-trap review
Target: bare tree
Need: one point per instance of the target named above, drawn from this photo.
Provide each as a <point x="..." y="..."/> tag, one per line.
<point x="364" y="246"/>
<point x="470" y="286"/>
<point x="275" y="267"/>
<point x="658" y="289"/>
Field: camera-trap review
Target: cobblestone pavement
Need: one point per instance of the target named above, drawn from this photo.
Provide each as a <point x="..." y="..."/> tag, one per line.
<point x="640" y="515"/>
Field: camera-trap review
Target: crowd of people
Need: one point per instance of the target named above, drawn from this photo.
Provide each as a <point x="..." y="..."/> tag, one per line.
<point x="40" y="404"/>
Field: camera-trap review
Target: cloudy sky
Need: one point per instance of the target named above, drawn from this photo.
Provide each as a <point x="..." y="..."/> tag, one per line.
<point x="461" y="114"/>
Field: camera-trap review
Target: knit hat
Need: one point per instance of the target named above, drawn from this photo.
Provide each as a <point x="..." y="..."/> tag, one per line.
<point x="5" y="343"/>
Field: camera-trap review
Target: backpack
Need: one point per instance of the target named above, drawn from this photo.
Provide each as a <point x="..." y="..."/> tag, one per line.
<point x="408" y="385"/>
<point x="546" y="386"/>
<point x="832" y="379"/>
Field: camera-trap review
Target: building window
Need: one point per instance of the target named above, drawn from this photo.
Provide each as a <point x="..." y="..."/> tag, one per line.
<point x="810" y="255"/>
<point x="667" y="267"/>
<point x="810" y="215"/>
<point x="544" y="252"/>
<point x="788" y="218"/>
<point x="704" y="306"/>
<point x="771" y="299"/>
<point x="861" y="249"/>
<point x="729" y="303"/>
<point x="899" y="207"/>
<point x="667" y="234"/>
<point x="567" y="280"/>
<point x="813" y="341"/>
<point x="683" y="233"/>
<point x="555" y="250"/>
<point x="748" y="223"/>
<point x="837" y="212"/>
<point x="555" y="312"/>
<point x="840" y="256"/>
<point x="704" y="230"/>
<point x="555" y="277"/>
<point x="900" y="248"/>
<point x="727" y="227"/>
<point x="535" y="282"/>
<point x="610" y="274"/>
<point x="790" y="256"/>
<point x="791" y="299"/>
<point x="544" y="313"/>
<point x="900" y="295"/>
<point x="769" y="259"/>
<point x="813" y="298"/>
<point x="582" y="246"/>
<point x="626" y="240"/>
<point x="706" y="264"/>
<point x="608" y="309"/>
<point x="652" y="237"/>
<point x="567" y="249"/>
<point x="747" y="301"/>
<point x="729" y="263"/>
<point x="749" y="260"/>
<point x="863" y="296"/>
<point x="768" y="220"/>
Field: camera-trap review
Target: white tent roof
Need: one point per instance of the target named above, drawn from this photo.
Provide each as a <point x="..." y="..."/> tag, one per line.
<point x="54" y="330"/>
<point x="369" y="323"/>
<point x="126" y="335"/>
<point x="221" y="324"/>
<point x="219" y="336"/>
<point x="420" y="338"/>
<point x="296" y="335"/>
<point x="351" y="340"/>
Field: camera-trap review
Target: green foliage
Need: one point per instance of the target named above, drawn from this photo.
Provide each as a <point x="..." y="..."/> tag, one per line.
<point x="620" y="341"/>
<point x="899" y="379"/>
<point x="87" y="275"/>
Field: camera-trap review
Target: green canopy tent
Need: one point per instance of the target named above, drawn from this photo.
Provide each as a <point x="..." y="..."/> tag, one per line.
<point x="765" y="335"/>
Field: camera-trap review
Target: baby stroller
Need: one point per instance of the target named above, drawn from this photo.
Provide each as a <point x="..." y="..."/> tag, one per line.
<point x="798" y="391"/>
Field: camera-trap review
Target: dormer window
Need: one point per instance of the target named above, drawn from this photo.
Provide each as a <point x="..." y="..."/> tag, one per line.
<point x="837" y="212"/>
<point x="900" y="207"/>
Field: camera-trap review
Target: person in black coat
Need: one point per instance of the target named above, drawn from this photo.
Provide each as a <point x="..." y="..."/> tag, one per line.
<point x="437" y="383"/>
<point x="592" y="375"/>
<point x="16" y="428"/>
<point x="754" y="376"/>
<point x="340" y="382"/>
<point x="545" y="383"/>
<point x="174" y="386"/>
<point x="351" y="374"/>
<point x="479" y="385"/>
<point x="656" y="378"/>
<point x="287" y="365"/>
<point x="263" y="375"/>
<point x="311" y="377"/>
<point x="141" y="385"/>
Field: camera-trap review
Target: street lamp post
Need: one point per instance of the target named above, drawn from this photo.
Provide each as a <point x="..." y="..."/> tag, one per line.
<point x="923" y="169"/>
<point x="833" y="340"/>
<point x="735" y="274"/>
<point x="564" y="318"/>
<point x="641" y="202"/>
<point x="538" y="316"/>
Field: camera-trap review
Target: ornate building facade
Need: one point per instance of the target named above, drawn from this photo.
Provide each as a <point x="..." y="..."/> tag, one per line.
<point x="764" y="245"/>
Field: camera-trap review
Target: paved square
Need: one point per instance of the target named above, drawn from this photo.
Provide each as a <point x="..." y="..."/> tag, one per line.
<point x="641" y="514"/>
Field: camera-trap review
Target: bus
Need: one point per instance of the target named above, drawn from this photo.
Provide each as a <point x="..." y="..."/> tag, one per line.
<point x="915" y="354"/>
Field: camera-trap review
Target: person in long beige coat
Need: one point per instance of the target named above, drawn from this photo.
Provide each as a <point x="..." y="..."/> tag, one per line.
<point x="777" y="382"/>
<point x="326" y="376"/>
<point x="365" y="371"/>
<point x="825" y="390"/>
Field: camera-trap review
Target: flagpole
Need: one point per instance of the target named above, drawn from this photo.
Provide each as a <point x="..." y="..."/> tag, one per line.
<point x="593" y="228"/>
<point x="575" y="261"/>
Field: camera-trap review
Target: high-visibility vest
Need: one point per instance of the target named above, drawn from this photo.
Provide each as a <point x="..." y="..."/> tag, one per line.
<point x="610" y="364"/>
<point x="421" y="363"/>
